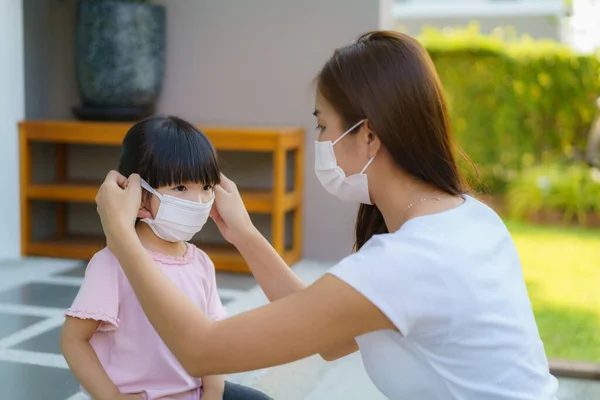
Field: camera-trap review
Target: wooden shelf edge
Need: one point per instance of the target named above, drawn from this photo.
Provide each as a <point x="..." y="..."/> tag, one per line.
<point x="256" y="201"/>
<point x="112" y="133"/>
<point x="224" y="257"/>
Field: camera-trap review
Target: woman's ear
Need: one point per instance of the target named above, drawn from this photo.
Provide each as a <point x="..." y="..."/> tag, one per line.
<point x="372" y="139"/>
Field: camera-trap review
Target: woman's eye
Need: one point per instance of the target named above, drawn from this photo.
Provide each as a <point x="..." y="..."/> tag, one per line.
<point x="207" y="187"/>
<point x="180" y="188"/>
<point x="319" y="128"/>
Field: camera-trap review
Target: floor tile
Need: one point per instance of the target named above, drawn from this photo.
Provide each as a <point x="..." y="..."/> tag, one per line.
<point x="578" y="389"/>
<point x="41" y="295"/>
<point x="47" y="342"/>
<point x="32" y="382"/>
<point x="78" y="272"/>
<point x="11" y="323"/>
<point x="235" y="281"/>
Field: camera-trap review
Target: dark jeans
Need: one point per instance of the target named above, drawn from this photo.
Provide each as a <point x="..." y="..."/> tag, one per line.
<point x="233" y="391"/>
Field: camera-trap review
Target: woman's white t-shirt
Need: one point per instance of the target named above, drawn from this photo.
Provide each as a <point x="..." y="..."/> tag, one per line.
<point x="452" y="284"/>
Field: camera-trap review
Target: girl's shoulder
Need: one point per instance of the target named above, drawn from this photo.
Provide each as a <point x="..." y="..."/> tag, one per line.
<point x="105" y="258"/>
<point x="197" y="254"/>
<point x="199" y="257"/>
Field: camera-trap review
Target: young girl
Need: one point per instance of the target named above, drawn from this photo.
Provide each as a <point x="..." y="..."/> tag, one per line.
<point x="108" y="342"/>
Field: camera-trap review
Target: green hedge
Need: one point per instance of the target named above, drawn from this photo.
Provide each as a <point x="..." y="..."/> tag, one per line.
<point x="573" y="190"/>
<point x="514" y="102"/>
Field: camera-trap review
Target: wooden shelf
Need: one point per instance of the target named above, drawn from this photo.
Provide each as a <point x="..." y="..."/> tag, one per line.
<point x="225" y="257"/>
<point x="112" y="134"/>
<point x="256" y="201"/>
<point x="276" y="202"/>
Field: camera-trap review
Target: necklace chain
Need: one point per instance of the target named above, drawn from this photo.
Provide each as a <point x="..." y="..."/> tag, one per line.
<point x="411" y="205"/>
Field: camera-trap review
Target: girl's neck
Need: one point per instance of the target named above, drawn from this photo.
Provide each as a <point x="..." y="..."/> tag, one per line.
<point x="155" y="244"/>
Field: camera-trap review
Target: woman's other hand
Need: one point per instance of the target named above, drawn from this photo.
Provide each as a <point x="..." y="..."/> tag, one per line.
<point x="229" y="212"/>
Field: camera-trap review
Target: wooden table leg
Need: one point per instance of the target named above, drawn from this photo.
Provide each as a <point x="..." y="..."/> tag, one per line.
<point x="278" y="216"/>
<point x="25" y="180"/>
<point x="299" y="189"/>
<point x="61" y="175"/>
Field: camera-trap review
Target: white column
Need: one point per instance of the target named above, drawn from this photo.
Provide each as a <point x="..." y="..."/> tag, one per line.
<point x="12" y="110"/>
<point x="386" y="15"/>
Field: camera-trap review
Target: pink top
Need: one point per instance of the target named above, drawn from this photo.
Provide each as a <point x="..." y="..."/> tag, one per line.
<point x="128" y="347"/>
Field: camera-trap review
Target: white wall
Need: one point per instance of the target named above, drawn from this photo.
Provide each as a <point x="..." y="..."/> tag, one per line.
<point x="12" y="110"/>
<point x="228" y="62"/>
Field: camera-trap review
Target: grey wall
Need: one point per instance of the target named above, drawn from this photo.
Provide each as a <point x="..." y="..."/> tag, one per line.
<point x="49" y="31"/>
<point x="537" y="27"/>
<point x="228" y="62"/>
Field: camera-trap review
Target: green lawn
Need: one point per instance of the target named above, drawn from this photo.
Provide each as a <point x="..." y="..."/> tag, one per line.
<point x="562" y="270"/>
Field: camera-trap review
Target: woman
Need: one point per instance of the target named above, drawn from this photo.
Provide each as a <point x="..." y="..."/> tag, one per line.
<point x="433" y="296"/>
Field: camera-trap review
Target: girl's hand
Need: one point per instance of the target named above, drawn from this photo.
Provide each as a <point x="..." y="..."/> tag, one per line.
<point x="229" y="212"/>
<point x="212" y="396"/>
<point x="118" y="204"/>
<point x="128" y="397"/>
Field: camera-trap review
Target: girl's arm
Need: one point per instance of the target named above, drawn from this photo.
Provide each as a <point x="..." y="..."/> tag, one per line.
<point x="213" y="387"/>
<point x="82" y="359"/>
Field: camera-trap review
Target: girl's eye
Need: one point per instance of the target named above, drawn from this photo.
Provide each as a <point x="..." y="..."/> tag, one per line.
<point x="207" y="187"/>
<point x="319" y="128"/>
<point x="180" y="188"/>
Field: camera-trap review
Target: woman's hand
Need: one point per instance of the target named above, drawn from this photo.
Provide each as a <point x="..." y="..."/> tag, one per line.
<point x="118" y="204"/>
<point x="230" y="214"/>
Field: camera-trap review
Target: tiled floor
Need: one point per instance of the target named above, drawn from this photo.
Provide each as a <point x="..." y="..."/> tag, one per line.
<point x="33" y="297"/>
<point x="34" y="293"/>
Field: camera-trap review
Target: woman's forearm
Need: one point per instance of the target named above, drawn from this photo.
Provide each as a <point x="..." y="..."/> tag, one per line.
<point x="271" y="272"/>
<point x="297" y="326"/>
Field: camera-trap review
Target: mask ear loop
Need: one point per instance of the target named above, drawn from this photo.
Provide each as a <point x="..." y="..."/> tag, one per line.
<point x="150" y="189"/>
<point x="348" y="131"/>
<point x="367" y="166"/>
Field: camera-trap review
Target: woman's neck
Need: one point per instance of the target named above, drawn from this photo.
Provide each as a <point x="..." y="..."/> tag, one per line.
<point x="155" y="244"/>
<point x="398" y="197"/>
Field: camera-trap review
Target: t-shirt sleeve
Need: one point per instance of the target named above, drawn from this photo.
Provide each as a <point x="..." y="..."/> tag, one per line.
<point x="98" y="297"/>
<point x="405" y="281"/>
<point x="214" y="307"/>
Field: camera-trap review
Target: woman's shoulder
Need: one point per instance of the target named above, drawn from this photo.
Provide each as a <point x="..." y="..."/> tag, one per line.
<point x="437" y="239"/>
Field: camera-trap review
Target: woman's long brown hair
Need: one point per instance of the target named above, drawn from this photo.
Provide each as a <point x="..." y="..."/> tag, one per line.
<point x="388" y="78"/>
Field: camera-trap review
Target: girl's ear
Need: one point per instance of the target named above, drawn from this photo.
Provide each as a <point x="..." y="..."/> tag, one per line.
<point x="144" y="212"/>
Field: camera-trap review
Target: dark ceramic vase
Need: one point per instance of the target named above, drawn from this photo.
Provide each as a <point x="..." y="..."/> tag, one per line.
<point x="120" y="56"/>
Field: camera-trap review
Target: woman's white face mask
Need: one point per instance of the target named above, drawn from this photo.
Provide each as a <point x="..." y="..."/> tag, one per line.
<point x="177" y="220"/>
<point x="349" y="188"/>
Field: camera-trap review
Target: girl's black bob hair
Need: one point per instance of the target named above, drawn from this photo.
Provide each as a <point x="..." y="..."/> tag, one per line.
<point x="168" y="151"/>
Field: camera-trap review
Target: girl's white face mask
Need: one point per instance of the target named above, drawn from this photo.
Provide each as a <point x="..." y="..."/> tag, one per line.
<point x="177" y="220"/>
<point x="332" y="177"/>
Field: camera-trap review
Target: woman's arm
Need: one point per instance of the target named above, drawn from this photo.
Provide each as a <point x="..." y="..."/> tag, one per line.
<point x="271" y="272"/>
<point x="323" y="316"/>
<point x="82" y="359"/>
<point x="277" y="280"/>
